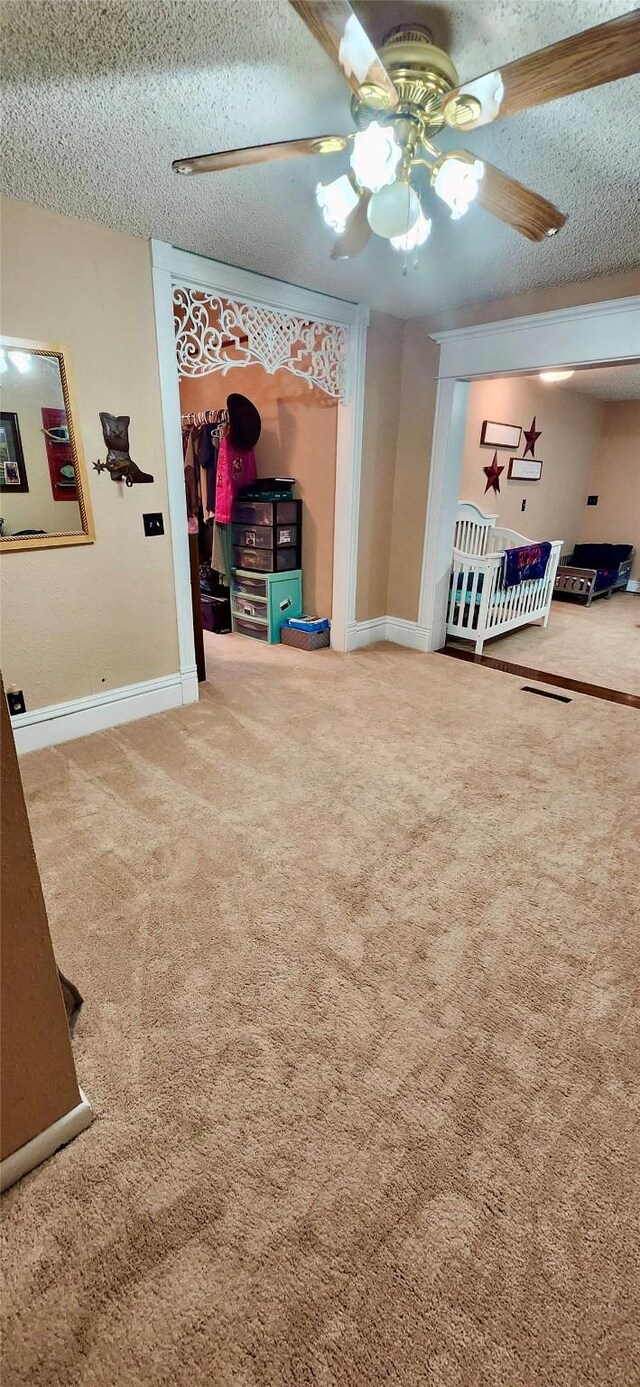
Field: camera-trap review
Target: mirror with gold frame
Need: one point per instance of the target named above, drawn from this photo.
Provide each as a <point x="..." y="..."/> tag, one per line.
<point x="44" y="496"/>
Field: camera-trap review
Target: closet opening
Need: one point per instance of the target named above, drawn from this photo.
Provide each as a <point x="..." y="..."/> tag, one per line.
<point x="259" y="416"/>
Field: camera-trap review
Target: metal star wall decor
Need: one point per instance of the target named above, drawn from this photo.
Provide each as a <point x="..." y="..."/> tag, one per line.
<point x="492" y="474"/>
<point x="531" y="435"/>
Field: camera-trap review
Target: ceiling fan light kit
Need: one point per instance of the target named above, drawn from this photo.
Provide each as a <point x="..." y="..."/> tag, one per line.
<point x="402" y="98"/>
<point x="394" y="211"/>
<point x="375" y="156"/>
<point x="337" y="201"/>
<point x="456" y="179"/>
<point x="413" y="238"/>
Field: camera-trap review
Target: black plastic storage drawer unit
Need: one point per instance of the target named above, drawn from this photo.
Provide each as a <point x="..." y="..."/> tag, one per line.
<point x="267" y="535"/>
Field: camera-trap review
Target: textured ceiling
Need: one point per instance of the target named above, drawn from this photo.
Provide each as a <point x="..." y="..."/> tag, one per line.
<point x="100" y="96"/>
<point x="608" y="382"/>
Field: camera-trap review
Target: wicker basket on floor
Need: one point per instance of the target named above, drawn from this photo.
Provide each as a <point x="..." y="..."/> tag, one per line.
<point x="304" y="640"/>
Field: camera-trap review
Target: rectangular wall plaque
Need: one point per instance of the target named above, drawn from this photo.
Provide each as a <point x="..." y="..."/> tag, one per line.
<point x="500" y="435"/>
<point x="525" y="470"/>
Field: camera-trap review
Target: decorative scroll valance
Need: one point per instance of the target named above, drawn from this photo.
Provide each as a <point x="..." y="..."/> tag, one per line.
<point x="214" y="333"/>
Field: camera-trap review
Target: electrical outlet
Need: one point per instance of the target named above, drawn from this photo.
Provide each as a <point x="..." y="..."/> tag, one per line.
<point x="153" y="523"/>
<point x="15" y="699"/>
<point x="592" y="500"/>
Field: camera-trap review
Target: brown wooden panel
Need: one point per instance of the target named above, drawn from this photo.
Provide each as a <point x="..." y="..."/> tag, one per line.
<point x="38" y="1081"/>
<point x="261" y="154"/>
<point x="560" y="681"/>
<point x="196" y="607"/>
<point x="527" y="212"/>
<point x="356" y="234"/>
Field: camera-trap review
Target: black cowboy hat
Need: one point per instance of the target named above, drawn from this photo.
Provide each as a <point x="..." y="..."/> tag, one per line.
<point x="245" y="423"/>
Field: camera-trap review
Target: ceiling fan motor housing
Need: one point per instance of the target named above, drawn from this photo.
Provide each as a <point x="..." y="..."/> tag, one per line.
<point x="421" y="74"/>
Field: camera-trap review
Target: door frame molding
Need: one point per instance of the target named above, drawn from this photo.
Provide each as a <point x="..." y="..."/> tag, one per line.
<point x="589" y="335"/>
<point x="173" y="266"/>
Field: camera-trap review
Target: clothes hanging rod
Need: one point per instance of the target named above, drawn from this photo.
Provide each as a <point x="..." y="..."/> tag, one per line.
<point x="206" y="416"/>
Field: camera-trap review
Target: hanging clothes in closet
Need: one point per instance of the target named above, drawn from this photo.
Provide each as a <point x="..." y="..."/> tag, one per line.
<point x="218" y="460"/>
<point x="201" y="433"/>
<point x="191" y="488"/>
<point x="236" y="468"/>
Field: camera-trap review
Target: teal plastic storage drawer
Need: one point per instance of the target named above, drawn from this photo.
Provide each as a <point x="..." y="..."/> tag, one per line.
<point x="261" y="616"/>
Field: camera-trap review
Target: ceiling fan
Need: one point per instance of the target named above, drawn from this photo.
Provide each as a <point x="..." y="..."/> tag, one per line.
<point x="402" y="97"/>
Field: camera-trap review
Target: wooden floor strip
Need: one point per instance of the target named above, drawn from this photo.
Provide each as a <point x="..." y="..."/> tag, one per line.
<point x="542" y="676"/>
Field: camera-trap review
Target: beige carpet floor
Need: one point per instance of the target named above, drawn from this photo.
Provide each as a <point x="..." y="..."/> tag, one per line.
<point x="599" y="644"/>
<point x="359" y="946"/>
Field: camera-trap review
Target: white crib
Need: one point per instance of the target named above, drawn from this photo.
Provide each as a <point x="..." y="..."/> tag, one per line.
<point x="479" y="606"/>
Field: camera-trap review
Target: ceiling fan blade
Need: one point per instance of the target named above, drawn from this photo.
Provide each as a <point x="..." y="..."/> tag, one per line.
<point x="261" y="154"/>
<point x="599" y="55"/>
<point x="338" y="30"/>
<point x="356" y="232"/>
<point x="525" y="211"/>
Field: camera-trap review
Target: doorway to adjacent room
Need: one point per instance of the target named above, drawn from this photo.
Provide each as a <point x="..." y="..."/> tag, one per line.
<point x="576" y="620"/>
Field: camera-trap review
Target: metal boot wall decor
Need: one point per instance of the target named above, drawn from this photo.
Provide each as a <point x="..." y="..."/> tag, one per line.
<point x="121" y="467"/>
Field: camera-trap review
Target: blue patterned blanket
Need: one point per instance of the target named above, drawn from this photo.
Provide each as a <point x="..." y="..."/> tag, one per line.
<point x="528" y="561"/>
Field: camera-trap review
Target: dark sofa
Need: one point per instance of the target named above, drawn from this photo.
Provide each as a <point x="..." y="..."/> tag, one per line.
<point x="593" y="570"/>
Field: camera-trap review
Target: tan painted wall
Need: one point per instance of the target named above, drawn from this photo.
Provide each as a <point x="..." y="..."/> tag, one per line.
<point x="420" y="358"/>
<point x="298" y="439"/>
<point x="38" y="1081"/>
<point x="26" y="395"/>
<point x="413" y="453"/>
<point x="79" y="621"/>
<point x="569" y="444"/>
<point x="382" y="408"/>
<point x="615" y="478"/>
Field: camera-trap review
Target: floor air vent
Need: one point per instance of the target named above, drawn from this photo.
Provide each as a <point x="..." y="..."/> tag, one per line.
<point x="559" y="698"/>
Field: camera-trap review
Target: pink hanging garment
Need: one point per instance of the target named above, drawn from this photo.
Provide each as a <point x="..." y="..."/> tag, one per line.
<point x="235" y="469"/>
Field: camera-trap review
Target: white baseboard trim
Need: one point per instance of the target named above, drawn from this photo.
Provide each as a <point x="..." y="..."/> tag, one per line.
<point x="189" y="681"/>
<point x="387" y="628"/>
<point x="633" y="585"/>
<point x="407" y="633"/>
<point x="63" y="722"/>
<point x="39" y="1149"/>
<point x="362" y="633"/>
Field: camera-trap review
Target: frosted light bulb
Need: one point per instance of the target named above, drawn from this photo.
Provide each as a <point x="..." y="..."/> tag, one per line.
<point x="337" y="201"/>
<point x="414" y="238"/>
<point x="456" y="181"/>
<point x="393" y="211"/>
<point x="375" y="156"/>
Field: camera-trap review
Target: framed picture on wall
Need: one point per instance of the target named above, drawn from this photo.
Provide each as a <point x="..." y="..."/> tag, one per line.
<point x="494" y="435"/>
<point x="13" y="473"/>
<point x="525" y="470"/>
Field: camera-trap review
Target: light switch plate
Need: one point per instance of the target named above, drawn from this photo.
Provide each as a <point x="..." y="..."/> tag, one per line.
<point x="153" y="523"/>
